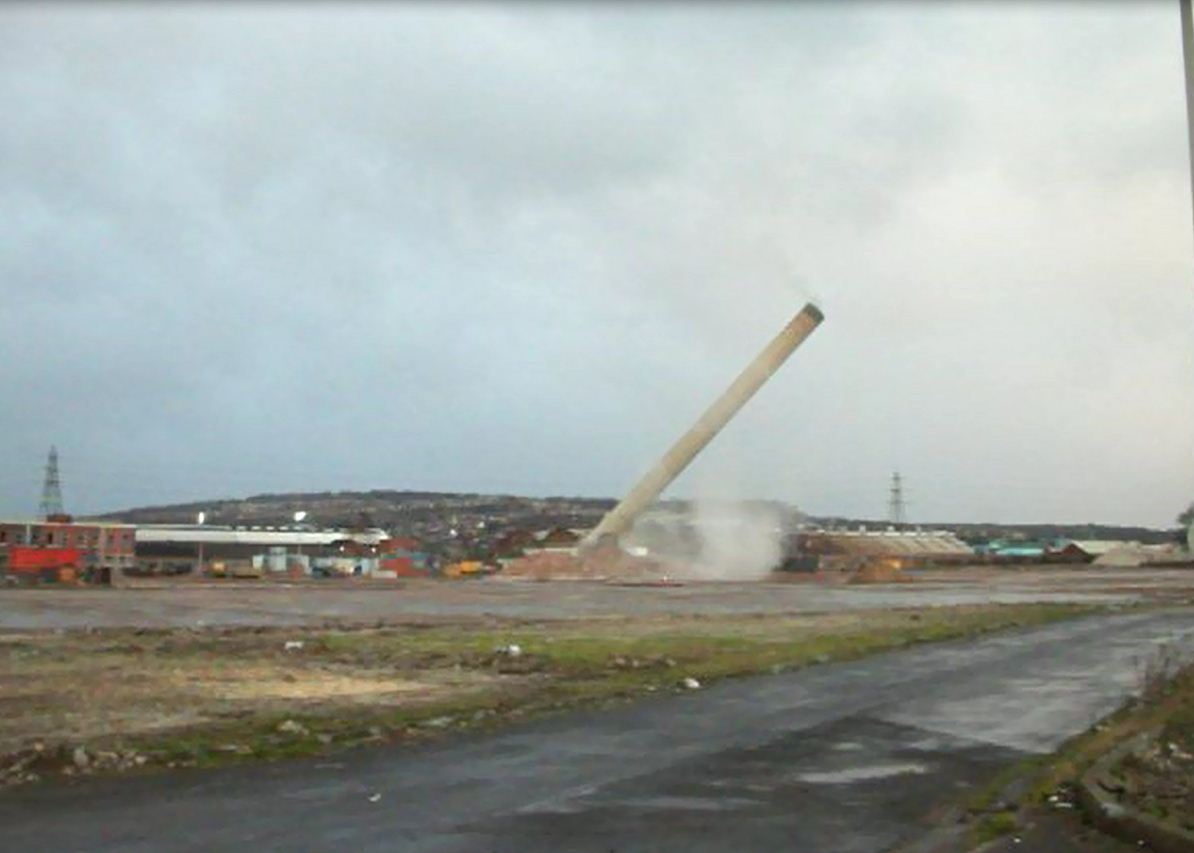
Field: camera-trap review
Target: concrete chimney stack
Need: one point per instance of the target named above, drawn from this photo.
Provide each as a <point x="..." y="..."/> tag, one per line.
<point x="651" y="486"/>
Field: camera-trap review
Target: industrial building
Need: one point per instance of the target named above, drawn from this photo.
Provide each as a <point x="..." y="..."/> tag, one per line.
<point x="403" y="557"/>
<point x="166" y="548"/>
<point x="845" y="548"/>
<point x="61" y="549"/>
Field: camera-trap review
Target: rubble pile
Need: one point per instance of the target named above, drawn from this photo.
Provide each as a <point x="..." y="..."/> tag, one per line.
<point x="879" y="571"/>
<point x="41" y="761"/>
<point x="597" y="565"/>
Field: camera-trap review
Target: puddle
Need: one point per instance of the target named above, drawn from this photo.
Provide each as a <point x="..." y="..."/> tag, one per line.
<point x="712" y="804"/>
<point x="862" y="774"/>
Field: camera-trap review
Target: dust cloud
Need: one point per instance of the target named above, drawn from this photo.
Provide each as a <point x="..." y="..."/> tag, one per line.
<point x="739" y="540"/>
<point x="718" y="535"/>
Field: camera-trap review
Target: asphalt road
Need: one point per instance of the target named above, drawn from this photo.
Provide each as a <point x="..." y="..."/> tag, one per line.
<point x="840" y="757"/>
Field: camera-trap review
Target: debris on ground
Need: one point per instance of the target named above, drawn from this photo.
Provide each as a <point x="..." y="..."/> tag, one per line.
<point x="690" y="683"/>
<point x="1063" y="798"/>
<point x="505" y="660"/>
<point x="293" y="646"/>
<point x="39" y="762"/>
<point x="1158" y="779"/>
<point x="650" y="662"/>
<point x="879" y="571"/>
<point x="656" y="582"/>
<point x="602" y="564"/>
<point x="291" y="727"/>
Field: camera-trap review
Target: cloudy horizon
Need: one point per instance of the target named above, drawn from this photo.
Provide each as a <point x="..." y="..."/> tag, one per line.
<point x="519" y="248"/>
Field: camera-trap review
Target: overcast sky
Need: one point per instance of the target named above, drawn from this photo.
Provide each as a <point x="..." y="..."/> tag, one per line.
<point x="520" y="248"/>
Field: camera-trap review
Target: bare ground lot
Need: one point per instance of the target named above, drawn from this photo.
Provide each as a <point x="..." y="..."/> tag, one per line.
<point x="240" y="603"/>
<point x="113" y="699"/>
<point x="199" y="673"/>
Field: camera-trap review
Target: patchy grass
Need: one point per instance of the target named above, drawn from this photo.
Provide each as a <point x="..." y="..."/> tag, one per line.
<point x="1159" y="778"/>
<point x="1161" y="782"/>
<point x="994" y="826"/>
<point x="1164" y="705"/>
<point x="210" y="697"/>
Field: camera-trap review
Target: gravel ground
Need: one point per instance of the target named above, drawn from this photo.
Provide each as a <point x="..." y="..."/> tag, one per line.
<point x="230" y="603"/>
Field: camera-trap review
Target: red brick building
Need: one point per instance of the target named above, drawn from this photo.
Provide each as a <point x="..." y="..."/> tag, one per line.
<point x="98" y="551"/>
<point x="404" y="557"/>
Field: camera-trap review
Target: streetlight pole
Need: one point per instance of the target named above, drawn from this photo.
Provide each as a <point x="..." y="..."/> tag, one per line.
<point x="1188" y="72"/>
<point x="1188" y="67"/>
<point x="298" y="520"/>
<point x="202" y="517"/>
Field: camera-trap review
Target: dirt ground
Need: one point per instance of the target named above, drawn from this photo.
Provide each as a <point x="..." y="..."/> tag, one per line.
<point x="115" y="698"/>
<point x="251" y="603"/>
<point x="193" y="672"/>
<point x="81" y="686"/>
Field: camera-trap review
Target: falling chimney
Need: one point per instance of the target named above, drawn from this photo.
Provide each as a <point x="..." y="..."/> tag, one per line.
<point x="651" y="486"/>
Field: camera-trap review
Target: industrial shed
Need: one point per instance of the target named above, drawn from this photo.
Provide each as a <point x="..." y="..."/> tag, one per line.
<point x="192" y="543"/>
<point x="912" y="547"/>
<point x="1092" y="549"/>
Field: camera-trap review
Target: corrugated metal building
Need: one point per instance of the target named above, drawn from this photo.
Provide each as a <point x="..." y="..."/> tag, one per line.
<point x="851" y="549"/>
<point x="201" y="543"/>
<point x="1095" y="548"/>
<point x="883" y="543"/>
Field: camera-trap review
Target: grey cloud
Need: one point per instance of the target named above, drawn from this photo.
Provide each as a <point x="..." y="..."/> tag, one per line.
<point x="517" y="247"/>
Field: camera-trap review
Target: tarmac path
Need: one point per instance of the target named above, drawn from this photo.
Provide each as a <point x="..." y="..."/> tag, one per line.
<point x="840" y="757"/>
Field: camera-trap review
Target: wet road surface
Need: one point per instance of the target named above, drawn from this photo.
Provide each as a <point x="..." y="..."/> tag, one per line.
<point x="840" y="757"/>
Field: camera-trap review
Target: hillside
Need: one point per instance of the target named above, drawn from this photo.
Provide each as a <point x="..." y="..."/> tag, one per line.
<point x="408" y="512"/>
<point x="423" y="513"/>
<point x="983" y="531"/>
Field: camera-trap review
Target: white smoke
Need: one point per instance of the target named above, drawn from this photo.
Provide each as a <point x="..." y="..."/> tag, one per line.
<point x="740" y="540"/>
<point x="720" y="535"/>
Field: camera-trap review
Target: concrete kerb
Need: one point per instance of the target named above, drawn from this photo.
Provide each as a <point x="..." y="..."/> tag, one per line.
<point x="1096" y="796"/>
